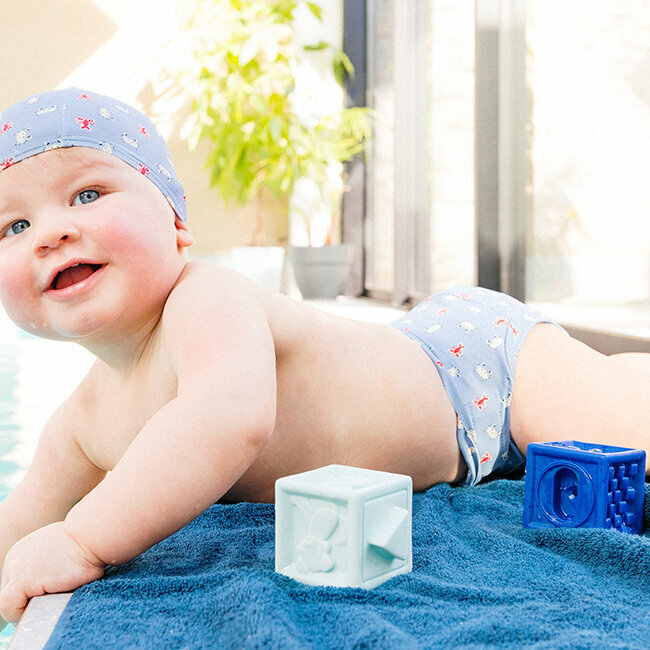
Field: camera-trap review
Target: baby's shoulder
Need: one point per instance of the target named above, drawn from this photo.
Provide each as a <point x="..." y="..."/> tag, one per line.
<point x="209" y="301"/>
<point x="210" y="282"/>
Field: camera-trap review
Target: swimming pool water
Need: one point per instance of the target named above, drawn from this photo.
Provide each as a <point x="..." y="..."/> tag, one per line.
<point x="5" y="636"/>
<point x="36" y="375"/>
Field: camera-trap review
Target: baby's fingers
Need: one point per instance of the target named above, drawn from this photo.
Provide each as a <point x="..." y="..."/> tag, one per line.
<point x="13" y="601"/>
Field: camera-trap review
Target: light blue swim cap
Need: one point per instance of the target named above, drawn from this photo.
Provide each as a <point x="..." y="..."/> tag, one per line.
<point x="76" y="118"/>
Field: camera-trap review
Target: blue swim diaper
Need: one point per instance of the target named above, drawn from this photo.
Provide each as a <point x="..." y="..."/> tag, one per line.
<point x="474" y="337"/>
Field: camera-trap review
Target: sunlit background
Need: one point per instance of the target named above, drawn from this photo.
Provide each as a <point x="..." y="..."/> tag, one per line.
<point x="585" y="107"/>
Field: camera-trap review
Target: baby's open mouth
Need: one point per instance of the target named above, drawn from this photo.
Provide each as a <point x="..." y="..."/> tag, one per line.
<point x="73" y="274"/>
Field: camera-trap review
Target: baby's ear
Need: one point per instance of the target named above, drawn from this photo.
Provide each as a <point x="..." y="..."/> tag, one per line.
<point x="184" y="238"/>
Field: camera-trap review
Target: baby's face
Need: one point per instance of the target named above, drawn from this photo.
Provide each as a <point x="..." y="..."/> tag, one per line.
<point x="87" y="244"/>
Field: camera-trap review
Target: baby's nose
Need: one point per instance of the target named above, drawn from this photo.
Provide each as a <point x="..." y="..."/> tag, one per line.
<point x="53" y="234"/>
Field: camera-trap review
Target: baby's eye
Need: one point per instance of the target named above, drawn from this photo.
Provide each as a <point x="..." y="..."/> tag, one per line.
<point x="17" y="227"/>
<point x="87" y="196"/>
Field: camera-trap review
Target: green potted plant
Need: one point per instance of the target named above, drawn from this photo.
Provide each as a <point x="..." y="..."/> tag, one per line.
<point x="245" y="81"/>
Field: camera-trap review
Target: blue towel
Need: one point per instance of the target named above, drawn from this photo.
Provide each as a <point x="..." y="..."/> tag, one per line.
<point x="479" y="580"/>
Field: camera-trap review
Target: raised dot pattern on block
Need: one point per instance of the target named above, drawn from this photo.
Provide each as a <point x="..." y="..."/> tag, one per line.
<point x="621" y="495"/>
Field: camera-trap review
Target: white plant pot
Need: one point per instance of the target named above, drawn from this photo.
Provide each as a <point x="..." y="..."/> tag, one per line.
<point x="321" y="271"/>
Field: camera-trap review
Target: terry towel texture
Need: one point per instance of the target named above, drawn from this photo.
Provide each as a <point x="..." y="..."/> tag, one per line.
<point x="479" y="580"/>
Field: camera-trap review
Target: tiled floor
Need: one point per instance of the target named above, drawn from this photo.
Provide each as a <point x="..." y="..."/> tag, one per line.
<point x="632" y="319"/>
<point x="38" y="621"/>
<point x="359" y="309"/>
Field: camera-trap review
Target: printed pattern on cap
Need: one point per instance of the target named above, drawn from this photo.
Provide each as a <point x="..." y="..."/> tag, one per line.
<point x="76" y="118"/>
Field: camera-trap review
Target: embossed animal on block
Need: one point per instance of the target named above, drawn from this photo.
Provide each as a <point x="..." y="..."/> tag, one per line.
<point x="343" y="526"/>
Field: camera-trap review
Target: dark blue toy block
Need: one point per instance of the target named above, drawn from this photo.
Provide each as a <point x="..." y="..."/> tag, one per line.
<point x="574" y="484"/>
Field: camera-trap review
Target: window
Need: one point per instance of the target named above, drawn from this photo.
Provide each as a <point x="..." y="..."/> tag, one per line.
<point x="420" y="232"/>
<point x="510" y="151"/>
<point x="588" y="75"/>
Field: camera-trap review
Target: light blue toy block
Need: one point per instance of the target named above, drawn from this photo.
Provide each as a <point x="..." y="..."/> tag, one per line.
<point x="343" y="526"/>
<point x="571" y="484"/>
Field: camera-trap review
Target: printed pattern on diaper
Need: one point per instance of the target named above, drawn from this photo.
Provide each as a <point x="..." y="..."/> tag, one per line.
<point x="474" y="337"/>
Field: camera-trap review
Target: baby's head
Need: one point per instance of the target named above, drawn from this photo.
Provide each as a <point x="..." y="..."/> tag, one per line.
<point x="88" y="247"/>
<point x="75" y="118"/>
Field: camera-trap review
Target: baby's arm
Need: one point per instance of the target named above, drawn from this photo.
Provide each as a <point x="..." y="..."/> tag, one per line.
<point x="198" y="445"/>
<point x="59" y="476"/>
<point x="188" y="454"/>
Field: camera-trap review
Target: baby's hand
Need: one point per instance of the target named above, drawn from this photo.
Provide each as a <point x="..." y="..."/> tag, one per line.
<point x="45" y="561"/>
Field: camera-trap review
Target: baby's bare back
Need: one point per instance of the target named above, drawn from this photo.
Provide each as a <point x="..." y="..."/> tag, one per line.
<point x="352" y="393"/>
<point x="348" y="392"/>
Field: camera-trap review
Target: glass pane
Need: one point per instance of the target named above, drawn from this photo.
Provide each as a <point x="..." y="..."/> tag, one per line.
<point x="447" y="26"/>
<point x="589" y="81"/>
<point x="451" y="138"/>
<point x="380" y="240"/>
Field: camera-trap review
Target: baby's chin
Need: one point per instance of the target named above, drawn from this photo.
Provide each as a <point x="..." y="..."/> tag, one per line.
<point x="42" y="330"/>
<point x="47" y="329"/>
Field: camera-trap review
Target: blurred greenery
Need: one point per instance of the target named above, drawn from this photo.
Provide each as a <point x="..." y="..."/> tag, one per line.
<point x="242" y="79"/>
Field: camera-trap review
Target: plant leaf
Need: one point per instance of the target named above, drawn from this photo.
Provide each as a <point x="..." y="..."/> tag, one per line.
<point x="316" y="10"/>
<point x="316" y="47"/>
<point x="342" y="66"/>
<point x="250" y="50"/>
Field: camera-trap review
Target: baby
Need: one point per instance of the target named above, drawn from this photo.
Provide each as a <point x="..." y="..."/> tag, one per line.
<point x="207" y="386"/>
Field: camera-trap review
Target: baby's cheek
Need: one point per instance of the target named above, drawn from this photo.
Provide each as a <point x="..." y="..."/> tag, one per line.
<point x="18" y="304"/>
<point x="17" y="282"/>
<point x="132" y="234"/>
<point x="12" y="286"/>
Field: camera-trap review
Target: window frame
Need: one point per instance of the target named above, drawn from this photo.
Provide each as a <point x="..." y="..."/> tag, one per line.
<point x="502" y="206"/>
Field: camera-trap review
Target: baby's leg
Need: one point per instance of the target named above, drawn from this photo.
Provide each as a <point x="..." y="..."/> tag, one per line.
<point x="564" y="390"/>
